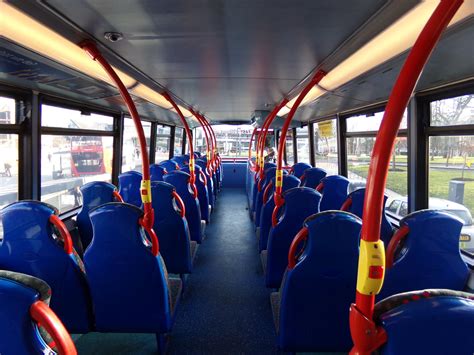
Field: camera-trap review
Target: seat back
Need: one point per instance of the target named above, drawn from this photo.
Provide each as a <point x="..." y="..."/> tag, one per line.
<point x="312" y="177"/>
<point x="427" y="322"/>
<point x="169" y="165"/>
<point x="355" y="204"/>
<point x="30" y="246"/>
<point x="289" y="182"/>
<point x="94" y="194"/>
<point x="203" y="196"/>
<point x="171" y="228"/>
<point x="129" y="187"/>
<point x="262" y="185"/>
<point x="210" y="182"/>
<point x="180" y="180"/>
<point x="255" y="188"/>
<point x="334" y="191"/>
<point x="24" y="305"/>
<point x="298" y="169"/>
<point x="157" y="171"/>
<point x="300" y="203"/>
<point x="316" y="293"/>
<point x="427" y="257"/>
<point x="128" y="283"/>
<point x="181" y="160"/>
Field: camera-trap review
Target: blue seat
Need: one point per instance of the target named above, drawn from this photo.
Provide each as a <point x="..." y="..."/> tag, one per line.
<point x="180" y="180"/>
<point x="203" y="196"/>
<point x="433" y="322"/>
<point x="30" y="246"/>
<point x="255" y="187"/>
<point x="355" y="204"/>
<point x="130" y="288"/>
<point x="176" y="247"/>
<point x="428" y="256"/>
<point x="311" y="308"/>
<point x="300" y="203"/>
<point x="334" y="191"/>
<point x="289" y="182"/>
<point x="312" y="177"/>
<point x="157" y="171"/>
<point x="94" y="194"/>
<point x="169" y="165"/>
<point x="129" y="187"/>
<point x="23" y="306"/>
<point x="262" y="185"/>
<point x="181" y="160"/>
<point x="210" y="185"/>
<point x="298" y="169"/>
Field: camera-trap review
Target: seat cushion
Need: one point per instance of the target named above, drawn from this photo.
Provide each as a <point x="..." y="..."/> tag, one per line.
<point x="175" y="286"/>
<point x="275" y="300"/>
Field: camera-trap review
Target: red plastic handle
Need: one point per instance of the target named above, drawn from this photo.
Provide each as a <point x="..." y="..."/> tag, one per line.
<point x="56" y="221"/>
<point x="320" y="187"/>
<point x="303" y="178"/>
<point x="278" y="205"/>
<point x="397" y="238"/>
<point x="203" y="177"/>
<point x="267" y="191"/>
<point x="179" y="201"/>
<point x="44" y="316"/>
<point x="259" y="186"/>
<point x="347" y="204"/>
<point x="302" y="235"/>
<point x="193" y="187"/>
<point x="155" y="245"/>
<point x="117" y="196"/>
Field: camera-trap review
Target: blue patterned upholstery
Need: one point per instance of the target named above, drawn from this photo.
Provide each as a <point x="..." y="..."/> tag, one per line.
<point x="180" y="180"/>
<point x="169" y="165"/>
<point x="203" y="195"/>
<point x="210" y="184"/>
<point x="300" y="203"/>
<point x="298" y="169"/>
<point x="94" y="194"/>
<point x="129" y="187"/>
<point x="28" y="247"/>
<point x="156" y="172"/>
<point x="312" y="310"/>
<point x="269" y="174"/>
<point x="334" y="192"/>
<point x="312" y="177"/>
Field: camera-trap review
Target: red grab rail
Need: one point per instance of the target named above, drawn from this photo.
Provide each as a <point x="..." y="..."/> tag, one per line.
<point x="366" y="335"/>
<point x="292" y="257"/>
<point x="206" y="135"/>
<point x="64" y="232"/>
<point x="145" y="189"/>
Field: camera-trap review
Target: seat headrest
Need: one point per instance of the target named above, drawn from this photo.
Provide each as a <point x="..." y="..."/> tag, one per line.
<point x="32" y="282"/>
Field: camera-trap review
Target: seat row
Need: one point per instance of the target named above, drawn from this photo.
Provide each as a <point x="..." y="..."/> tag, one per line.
<point x="310" y="250"/>
<point x="122" y="259"/>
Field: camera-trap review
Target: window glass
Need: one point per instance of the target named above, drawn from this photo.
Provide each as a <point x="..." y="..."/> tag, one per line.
<point x="131" y="154"/>
<point x="302" y="142"/>
<point x="404" y="209"/>
<point x="359" y="151"/>
<point x="451" y="181"/>
<point x="325" y="146"/>
<point x="290" y="158"/>
<point x="8" y="168"/>
<point x="453" y="111"/>
<point x="53" y="116"/>
<point x="162" y="149"/>
<point x="370" y="122"/>
<point x="68" y="162"/>
<point x="200" y="140"/>
<point x="7" y="110"/>
<point x="178" y="140"/>
<point x="393" y="207"/>
<point x="233" y="141"/>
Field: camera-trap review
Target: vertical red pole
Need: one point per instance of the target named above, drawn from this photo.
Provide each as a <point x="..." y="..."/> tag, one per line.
<point x="366" y="335"/>
<point x="145" y="189"/>
<point x="192" y="174"/>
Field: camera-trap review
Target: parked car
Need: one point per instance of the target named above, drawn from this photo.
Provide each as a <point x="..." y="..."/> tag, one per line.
<point x="397" y="208"/>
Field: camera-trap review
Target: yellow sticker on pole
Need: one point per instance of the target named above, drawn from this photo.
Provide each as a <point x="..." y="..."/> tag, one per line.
<point x="279" y="178"/>
<point x="145" y="191"/>
<point x="371" y="267"/>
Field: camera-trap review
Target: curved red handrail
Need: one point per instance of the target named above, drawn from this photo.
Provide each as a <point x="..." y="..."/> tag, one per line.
<point x="203" y="177"/>
<point x="275" y="214"/>
<point x="206" y="134"/>
<point x="347" y="204"/>
<point x="397" y="238"/>
<point x="117" y="196"/>
<point x="367" y="337"/>
<point x="320" y="187"/>
<point x="155" y="245"/>
<point x="145" y="190"/>
<point x="299" y="237"/>
<point x="42" y="314"/>
<point x="179" y="201"/>
<point x="267" y="191"/>
<point x="63" y="231"/>
<point x="192" y="178"/>
<point x="284" y="130"/>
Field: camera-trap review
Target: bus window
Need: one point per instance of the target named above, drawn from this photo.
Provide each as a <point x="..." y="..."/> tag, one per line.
<point x="8" y="154"/>
<point x="233" y="141"/>
<point x="325" y="146"/>
<point x="290" y="156"/>
<point x="302" y="142"/>
<point x="178" y="141"/>
<point x="131" y="158"/>
<point x="162" y="149"/>
<point x="53" y="116"/>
